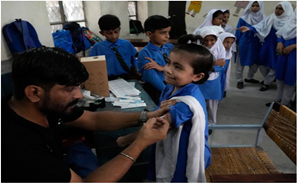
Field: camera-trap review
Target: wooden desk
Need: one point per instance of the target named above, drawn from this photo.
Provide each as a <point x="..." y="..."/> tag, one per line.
<point x="107" y="148"/>
<point x="144" y="42"/>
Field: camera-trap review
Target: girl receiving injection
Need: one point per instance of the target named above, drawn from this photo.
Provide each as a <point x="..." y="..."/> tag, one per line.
<point x="184" y="155"/>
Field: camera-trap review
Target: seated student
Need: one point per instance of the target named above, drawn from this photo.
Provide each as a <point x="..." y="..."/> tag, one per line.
<point x="152" y="58"/>
<point x="228" y="40"/>
<point x="185" y="154"/>
<point x="213" y="18"/>
<point x="120" y="54"/>
<point x="46" y="90"/>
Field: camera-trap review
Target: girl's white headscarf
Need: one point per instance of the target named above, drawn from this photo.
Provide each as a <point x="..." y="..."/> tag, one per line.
<point x="222" y="37"/>
<point x="253" y="18"/>
<point x="288" y="31"/>
<point x="218" y="50"/>
<point x="263" y="28"/>
<point x="208" y="20"/>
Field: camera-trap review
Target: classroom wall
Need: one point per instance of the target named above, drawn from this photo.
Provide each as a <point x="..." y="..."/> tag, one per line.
<point x="36" y="13"/>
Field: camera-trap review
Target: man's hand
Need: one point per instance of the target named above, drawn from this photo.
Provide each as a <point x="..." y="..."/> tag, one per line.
<point x="153" y="65"/>
<point x="167" y="103"/>
<point x="155" y="129"/>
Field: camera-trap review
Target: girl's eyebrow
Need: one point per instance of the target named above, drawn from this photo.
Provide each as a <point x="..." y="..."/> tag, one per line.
<point x="178" y="64"/>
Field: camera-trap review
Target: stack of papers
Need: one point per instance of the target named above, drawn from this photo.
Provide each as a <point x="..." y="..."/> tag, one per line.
<point x="124" y="94"/>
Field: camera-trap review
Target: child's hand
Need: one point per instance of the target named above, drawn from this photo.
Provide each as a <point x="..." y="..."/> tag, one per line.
<point x="153" y="65"/>
<point x="122" y="142"/>
<point x="243" y="29"/>
<point x="279" y="48"/>
<point x="288" y="49"/>
<point x="220" y="62"/>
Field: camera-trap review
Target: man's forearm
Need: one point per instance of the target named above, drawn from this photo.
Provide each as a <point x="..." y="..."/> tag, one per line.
<point x="116" y="168"/>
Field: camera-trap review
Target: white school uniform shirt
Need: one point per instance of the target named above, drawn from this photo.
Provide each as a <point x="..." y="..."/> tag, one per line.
<point x="263" y="28"/>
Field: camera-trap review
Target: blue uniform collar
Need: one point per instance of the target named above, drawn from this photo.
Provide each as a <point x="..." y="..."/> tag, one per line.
<point x="154" y="47"/>
<point x="110" y="44"/>
<point x="189" y="87"/>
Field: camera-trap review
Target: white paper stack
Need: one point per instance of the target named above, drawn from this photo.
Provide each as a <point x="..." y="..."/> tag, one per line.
<point x="124" y="94"/>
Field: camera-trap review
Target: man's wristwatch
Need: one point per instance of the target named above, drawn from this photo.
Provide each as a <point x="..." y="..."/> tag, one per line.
<point x="143" y="117"/>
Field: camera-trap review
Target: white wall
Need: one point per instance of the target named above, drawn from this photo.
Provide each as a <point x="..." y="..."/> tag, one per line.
<point x="31" y="11"/>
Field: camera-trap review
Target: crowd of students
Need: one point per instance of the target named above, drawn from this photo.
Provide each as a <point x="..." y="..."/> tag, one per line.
<point x="260" y="42"/>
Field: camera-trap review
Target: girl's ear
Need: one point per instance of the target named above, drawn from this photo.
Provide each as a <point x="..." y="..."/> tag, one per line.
<point x="198" y="77"/>
<point x="33" y="93"/>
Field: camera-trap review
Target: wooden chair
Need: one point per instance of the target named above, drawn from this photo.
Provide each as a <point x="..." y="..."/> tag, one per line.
<point x="243" y="163"/>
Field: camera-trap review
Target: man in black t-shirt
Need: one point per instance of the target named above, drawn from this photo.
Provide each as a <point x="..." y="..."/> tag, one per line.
<point x="46" y="89"/>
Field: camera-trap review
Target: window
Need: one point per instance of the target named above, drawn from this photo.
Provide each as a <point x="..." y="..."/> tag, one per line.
<point x="132" y="10"/>
<point x="62" y="12"/>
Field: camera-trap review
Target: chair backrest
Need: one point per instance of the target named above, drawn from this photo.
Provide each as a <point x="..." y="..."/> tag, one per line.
<point x="280" y="126"/>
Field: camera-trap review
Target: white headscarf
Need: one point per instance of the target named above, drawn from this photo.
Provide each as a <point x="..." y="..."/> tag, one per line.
<point x="222" y="37"/>
<point x="218" y="50"/>
<point x="253" y="18"/>
<point x="208" y="20"/>
<point x="288" y="31"/>
<point x="263" y="28"/>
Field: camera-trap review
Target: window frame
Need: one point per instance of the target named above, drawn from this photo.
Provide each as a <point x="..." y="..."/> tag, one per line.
<point x="64" y="21"/>
<point x="136" y="8"/>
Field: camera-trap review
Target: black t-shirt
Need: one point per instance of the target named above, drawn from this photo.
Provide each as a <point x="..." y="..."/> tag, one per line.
<point x="30" y="152"/>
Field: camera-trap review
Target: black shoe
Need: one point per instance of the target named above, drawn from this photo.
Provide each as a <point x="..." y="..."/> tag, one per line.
<point x="240" y="85"/>
<point x="264" y="87"/>
<point x="209" y="131"/>
<point x="268" y="104"/>
<point x="254" y="81"/>
<point x="262" y="82"/>
<point x="225" y="94"/>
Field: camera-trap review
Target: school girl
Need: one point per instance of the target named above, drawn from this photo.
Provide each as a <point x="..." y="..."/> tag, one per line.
<point x="228" y="39"/>
<point x="248" y="44"/>
<point x="213" y="18"/>
<point x="286" y="61"/>
<point x="212" y="89"/>
<point x="266" y="30"/>
<point x="184" y="155"/>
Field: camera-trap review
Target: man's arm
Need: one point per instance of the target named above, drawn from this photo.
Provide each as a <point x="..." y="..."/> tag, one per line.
<point x="154" y="130"/>
<point x="110" y="120"/>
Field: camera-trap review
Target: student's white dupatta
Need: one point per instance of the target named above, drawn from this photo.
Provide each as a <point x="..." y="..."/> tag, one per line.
<point x="166" y="153"/>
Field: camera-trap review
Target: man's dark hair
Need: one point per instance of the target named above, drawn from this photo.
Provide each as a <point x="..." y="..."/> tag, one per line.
<point x="216" y="14"/>
<point x="45" y="67"/>
<point x="156" y="22"/>
<point x="108" y="22"/>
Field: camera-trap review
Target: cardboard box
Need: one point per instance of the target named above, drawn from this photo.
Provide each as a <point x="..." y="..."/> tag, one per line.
<point x="97" y="82"/>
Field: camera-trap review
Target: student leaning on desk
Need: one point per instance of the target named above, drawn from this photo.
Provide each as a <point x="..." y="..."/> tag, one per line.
<point x="46" y="89"/>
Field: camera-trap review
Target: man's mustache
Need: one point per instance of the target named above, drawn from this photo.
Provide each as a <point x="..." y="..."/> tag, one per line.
<point x="72" y="103"/>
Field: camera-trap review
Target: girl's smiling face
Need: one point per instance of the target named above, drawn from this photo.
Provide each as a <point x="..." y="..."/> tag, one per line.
<point x="209" y="41"/>
<point x="217" y="21"/>
<point x="178" y="71"/>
